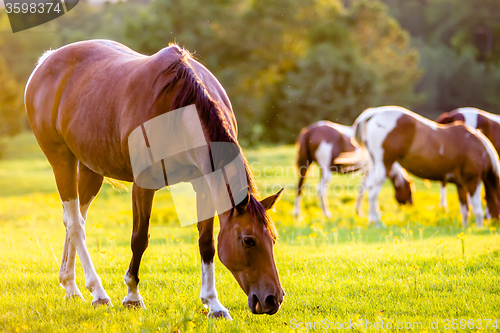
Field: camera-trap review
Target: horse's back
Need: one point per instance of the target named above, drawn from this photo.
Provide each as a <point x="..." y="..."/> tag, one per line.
<point x="89" y="96"/>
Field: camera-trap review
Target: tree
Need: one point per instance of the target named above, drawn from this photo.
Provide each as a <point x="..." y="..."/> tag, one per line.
<point x="362" y="59"/>
<point x="11" y="106"/>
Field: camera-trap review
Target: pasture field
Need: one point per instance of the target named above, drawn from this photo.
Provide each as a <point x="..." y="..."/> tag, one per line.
<point x="418" y="270"/>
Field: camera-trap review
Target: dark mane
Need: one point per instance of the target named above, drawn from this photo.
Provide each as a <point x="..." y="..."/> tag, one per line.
<point x="193" y="91"/>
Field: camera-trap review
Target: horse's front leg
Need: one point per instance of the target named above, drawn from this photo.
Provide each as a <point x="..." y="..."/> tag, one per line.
<point x="374" y="182"/>
<point x="208" y="293"/>
<point x="359" y="199"/>
<point x="142" y="200"/>
<point x="443" y="203"/>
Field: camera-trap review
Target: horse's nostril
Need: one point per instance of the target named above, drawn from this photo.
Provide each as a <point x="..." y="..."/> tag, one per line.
<point x="271" y="301"/>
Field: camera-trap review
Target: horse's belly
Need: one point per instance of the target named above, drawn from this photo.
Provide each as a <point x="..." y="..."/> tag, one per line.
<point x="425" y="168"/>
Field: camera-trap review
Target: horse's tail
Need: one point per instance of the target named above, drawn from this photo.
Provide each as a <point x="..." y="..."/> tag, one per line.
<point x="359" y="158"/>
<point x="116" y="184"/>
<point x="491" y="178"/>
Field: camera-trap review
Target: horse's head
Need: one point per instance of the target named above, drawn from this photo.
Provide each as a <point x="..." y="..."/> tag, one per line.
<point x="245" y="247"/>
<point x="403" y="186"/>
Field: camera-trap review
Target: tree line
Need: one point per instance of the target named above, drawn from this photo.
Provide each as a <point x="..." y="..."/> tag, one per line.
<point x="288" y="63"/>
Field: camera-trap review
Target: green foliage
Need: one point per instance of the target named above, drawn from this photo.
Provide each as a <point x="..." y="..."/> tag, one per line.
<point x="460" y="51"/>
<point x="11" y="110"/>
<point x="287" y="63"/>
<point x="359" y="60"/>
<point x="259" y="49"/>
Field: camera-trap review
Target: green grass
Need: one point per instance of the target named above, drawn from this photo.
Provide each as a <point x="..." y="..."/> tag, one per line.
<point x="339" y="269"/>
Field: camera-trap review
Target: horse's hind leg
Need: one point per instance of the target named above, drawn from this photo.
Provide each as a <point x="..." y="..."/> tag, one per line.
<point x="464" y="204"/>
<point x="303" y="167"/>
<point x="326" y="176"/>
<point x="477" y="208"/>
<point x="89" y="184"/>
<point x="64" y="164"/>
<point x="142" y="200"/>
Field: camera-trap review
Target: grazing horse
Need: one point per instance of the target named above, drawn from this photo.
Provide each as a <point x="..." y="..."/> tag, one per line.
<point x="448" y="153"/>
<point x="487" y="123"/>
<point x="83" y="102"/>
<point x="323" y="142"/>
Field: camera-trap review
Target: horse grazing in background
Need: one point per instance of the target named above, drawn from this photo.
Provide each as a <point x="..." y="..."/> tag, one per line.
<point x="83" y="102"/>
<point x="323" y="142"/>
<point x="451" y="153"/>
<point x="487" y="123"/>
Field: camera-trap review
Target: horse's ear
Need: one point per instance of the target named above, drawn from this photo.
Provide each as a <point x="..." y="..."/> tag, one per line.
<point x="242" y="199"/>
<point x="271" y="200"/>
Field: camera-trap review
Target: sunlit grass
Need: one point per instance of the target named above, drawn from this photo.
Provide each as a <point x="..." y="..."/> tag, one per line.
<point x="419" y="268"/>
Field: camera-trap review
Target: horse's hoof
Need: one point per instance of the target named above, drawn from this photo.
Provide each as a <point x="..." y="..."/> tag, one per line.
<point x="75" y="296"/>
<point x="220" y="314"/>
<point x="134" y="304"/>
<point x="105" y="301"/>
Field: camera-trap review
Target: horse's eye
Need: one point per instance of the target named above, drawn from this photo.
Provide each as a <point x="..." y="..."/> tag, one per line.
<point x="249" y="241"/>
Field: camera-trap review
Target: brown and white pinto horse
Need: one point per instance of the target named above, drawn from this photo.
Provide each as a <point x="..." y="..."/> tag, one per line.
<point x="83" y="100"/>
<point x="449" y="153"/>
<point x="323" y="142"/>
<point x="487" y="123"/>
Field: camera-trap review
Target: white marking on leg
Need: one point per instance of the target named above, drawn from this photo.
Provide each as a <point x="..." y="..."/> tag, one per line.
<point x="298" y="203"/>
<point x="383" y="121"/>
<point x="324" y="158"/>
<point x="464" y="210"/>
<point x="208" y="294"/>
<point x="67" y="271"/>
<point x="443" y="203"/>
<point x="359" y="211"/>
<point x="477" y="207"/>
<point x="374" y="183"/>
<point x="133" y="296"/>
<point x="76" y="232"/>
<point x="326" y="175"/>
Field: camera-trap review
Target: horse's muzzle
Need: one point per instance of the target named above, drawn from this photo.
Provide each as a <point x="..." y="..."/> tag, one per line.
<point x="270" y="305"/>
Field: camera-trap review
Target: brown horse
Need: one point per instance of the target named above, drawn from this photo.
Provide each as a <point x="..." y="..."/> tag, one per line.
<point x="487" y="123"/>
<point x="449" y="153"/>
<point x="323" y="142"/>
<point x="84" y="100"/>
